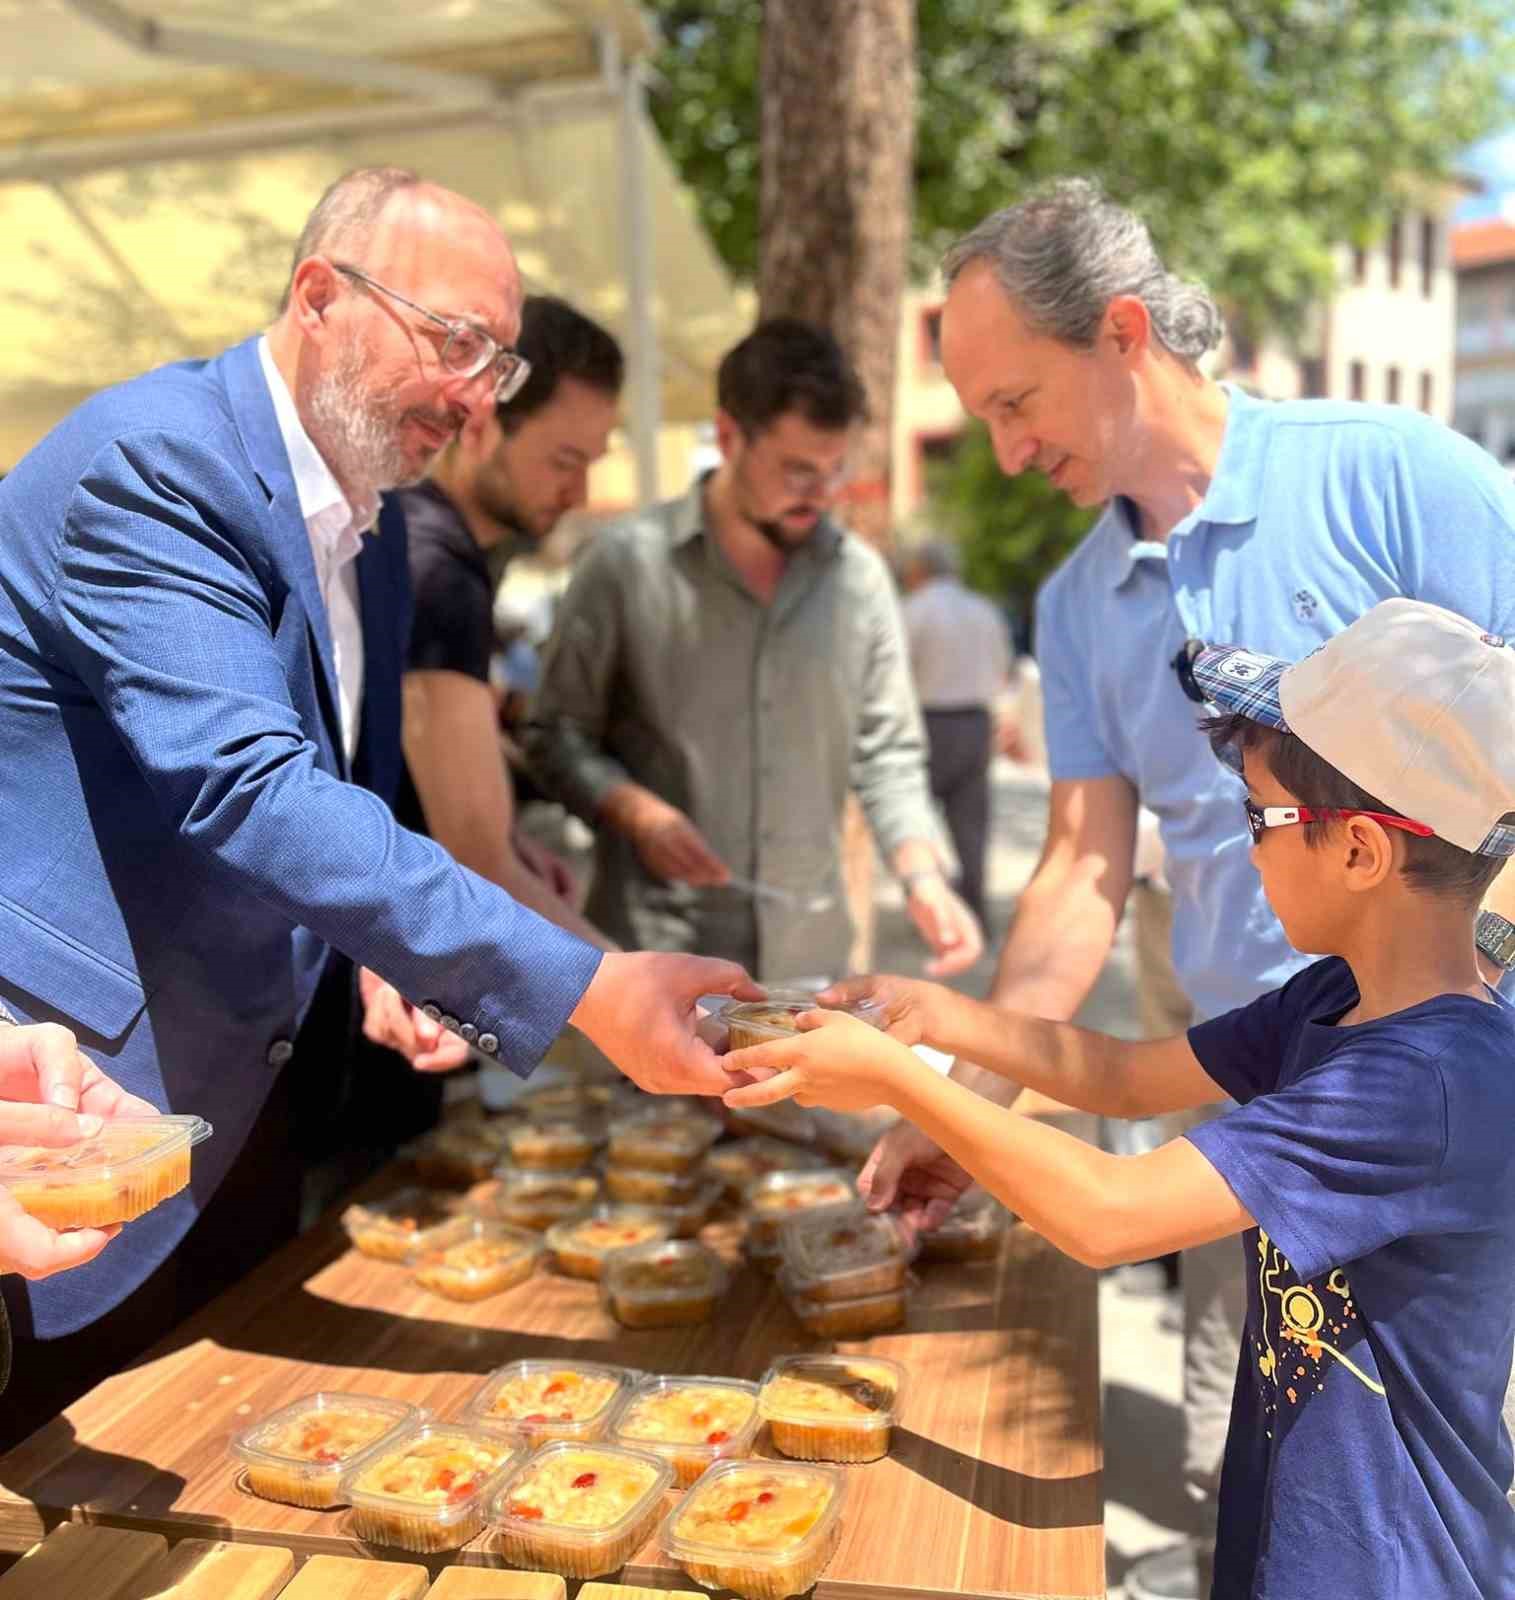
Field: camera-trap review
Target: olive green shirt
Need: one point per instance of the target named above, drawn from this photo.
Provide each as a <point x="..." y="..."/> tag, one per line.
<point x="754" y="719"/>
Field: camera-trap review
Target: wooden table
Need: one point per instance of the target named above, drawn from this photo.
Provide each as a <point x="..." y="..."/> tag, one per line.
<point x="992" y="1487"/>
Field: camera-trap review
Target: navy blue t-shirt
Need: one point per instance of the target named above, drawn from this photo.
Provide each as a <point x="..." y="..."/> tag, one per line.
<point x="1367" y="1455"/>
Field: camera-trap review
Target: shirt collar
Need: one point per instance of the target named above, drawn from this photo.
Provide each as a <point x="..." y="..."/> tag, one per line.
<point x="328" y="514"/>
<point x="688" y="521"/>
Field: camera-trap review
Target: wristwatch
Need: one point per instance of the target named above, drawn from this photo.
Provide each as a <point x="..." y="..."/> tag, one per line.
<point x="1495" y="937"/>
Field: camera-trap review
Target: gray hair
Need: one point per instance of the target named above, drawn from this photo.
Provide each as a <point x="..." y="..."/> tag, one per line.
<point x="348" y="212"/>
<point x="938" y="558"/>
<point x="1063" y="254"/>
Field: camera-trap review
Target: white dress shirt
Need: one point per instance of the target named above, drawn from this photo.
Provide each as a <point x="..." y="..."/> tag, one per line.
<point x="336" y="532"/>
<point x="959" y="646"/>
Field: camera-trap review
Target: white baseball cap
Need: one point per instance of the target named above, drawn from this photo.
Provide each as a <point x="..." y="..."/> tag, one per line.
<point x="1411" y="702"/>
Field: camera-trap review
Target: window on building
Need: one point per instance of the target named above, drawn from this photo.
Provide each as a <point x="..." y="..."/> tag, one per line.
<point x="1357" y="380"/>
<point x="1359" y="265"/>
<point x="1312" y="378"/>
<point x="1427" y="391"/>
<point x="1428" y="242"/>
<point x="1396" y="251"/>
<point x="1391" y="385"/>
<point x="1473" y="316"/>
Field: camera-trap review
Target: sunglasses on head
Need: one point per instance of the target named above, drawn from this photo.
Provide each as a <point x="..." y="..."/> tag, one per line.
<point x="1261" y="818"/>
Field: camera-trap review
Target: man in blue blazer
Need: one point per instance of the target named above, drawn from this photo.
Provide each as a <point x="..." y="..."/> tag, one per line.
<point x="181" y="646"/>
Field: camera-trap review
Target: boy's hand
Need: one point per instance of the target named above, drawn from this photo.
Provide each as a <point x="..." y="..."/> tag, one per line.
<point x="906" y="1003"/>
<point x="910" y="1172"/>
<point x="835" y="1061"/>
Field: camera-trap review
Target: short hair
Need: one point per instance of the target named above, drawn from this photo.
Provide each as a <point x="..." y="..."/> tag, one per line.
<point x="1067" y="251"/>
<point x="787" y="365"/>
<point x="560" y="342"/>
<point x="348" y="212"/>
<point x="1431" y="865"/>
<point x="938" y="557"/>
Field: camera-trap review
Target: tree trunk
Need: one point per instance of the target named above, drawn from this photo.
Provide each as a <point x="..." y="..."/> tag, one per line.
<point x="838" y="131"/>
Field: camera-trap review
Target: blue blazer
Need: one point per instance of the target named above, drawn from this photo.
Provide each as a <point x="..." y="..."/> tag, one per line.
<point x="179" y="839"/>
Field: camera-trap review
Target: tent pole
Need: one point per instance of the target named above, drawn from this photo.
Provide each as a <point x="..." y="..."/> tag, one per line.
<point x="636" y="226"/>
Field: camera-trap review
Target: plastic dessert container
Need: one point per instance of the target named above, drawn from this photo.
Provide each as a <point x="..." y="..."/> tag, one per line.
<point x="662" y="1141"/>
<point x="772" y="1201"/>
<point x="458" y="1154"/>
<point x="686" y="1219"/>
<point x="554" y="1146"/>
<point x="785" y="1120"/>
<point x="580" y="1510"/>
<point x="299" y="1453"/>
<point x="649" y="1186"/>
<point x="429" y="1488"/>
<point x="539" y="1199"/>
<point x="131" y="1165"/>
<point x="832" y="1407"/>
<point x="744" y="1161"/>
<point x="848" y="1319"/>
<point x="752" y="1022"/>
<point x="690" y="1422"/>
<point x="580" y="1245"/>
<point x="400" y="1225"/>
<point x="974" y="1231"/>
<point x="539" y="1402"/>
<point x="765" y="1529"/>
<point x="671" y="1285"/>
<point x="472" y="1258"/>
<point x="842" y="1255"/>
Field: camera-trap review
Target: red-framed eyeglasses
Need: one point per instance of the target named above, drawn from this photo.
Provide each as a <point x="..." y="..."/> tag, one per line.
<point x="1261" y="818"/>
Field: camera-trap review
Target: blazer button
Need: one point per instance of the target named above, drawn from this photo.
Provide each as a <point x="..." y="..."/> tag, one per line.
<point x="489" y="1044"/>
<point x="450" y="1023"/>
<point x="280" y="1053"/>
<point x="433" y="1010"/>
<point x="469" y="1032"/>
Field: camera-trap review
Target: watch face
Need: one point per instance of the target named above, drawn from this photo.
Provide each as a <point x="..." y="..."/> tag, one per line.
<point x="1496" y="939"/>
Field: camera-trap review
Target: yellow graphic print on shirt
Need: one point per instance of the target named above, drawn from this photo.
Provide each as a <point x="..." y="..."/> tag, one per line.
<point x="1304" y="1325"/>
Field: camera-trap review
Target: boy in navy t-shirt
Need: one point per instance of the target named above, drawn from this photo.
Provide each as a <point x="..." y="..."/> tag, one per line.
<point x="1370" y="1163"/>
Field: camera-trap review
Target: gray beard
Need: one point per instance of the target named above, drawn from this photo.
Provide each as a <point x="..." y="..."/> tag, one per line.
<point x="355" y="438"/>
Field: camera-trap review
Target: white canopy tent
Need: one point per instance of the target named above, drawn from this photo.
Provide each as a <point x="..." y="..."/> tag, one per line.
<point x="158" y="159"/>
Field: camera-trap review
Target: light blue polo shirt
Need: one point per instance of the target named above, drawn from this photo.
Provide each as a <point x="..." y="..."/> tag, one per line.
<point x="1318" y="510"/>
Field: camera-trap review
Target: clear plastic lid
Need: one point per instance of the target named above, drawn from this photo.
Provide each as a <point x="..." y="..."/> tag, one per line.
<point x="977" y="1215"/>
<point x="543" y="1400"/>
<point x="705" y="1527"/>
<point x="606" y="1228"/>
<point x="121" y="1149"/>
<point x="655" y="1274"/>
<point x="652" y="1186"/>
<point x="753" y="1021"/>
<point x="685" y="1134"/>
<point x="783" y="1194"/>
<point x="584" y="1495"/>
<point x="853" y="1318"/>
<point x="687" y="1217"/>
<point x="836" y="1391"/>
<point x="408" y="1220"/>
<point x="318" y="1437"/>
<point x="543" y="1197"/>
<point x="743" y="1161"/>
<point x="567" y="1140"/>
<point x="854" y="1251"/>
<point x="706" y="1418"/>
<point x="440" y="1472"/>
<point x="476" y="1247"/>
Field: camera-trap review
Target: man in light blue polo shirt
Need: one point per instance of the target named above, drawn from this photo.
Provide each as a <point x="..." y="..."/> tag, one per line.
<point x="1225" y="518"/>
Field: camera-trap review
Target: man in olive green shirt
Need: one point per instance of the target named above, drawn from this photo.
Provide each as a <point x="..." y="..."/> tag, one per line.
<point x="723" y="669"/>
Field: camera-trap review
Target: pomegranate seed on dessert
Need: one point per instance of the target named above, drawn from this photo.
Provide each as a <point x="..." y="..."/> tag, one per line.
<point x="738" y="1512"/>
<point x="536" y="1416"/>
<point x="766" y="1498"/>
<point x="720" y="1436"/>
<point x="586" y="1480"/>
<point x="528" y="1513"/>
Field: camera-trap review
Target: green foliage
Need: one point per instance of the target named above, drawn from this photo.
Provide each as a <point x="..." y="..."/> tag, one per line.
<point x="1012" y="531"/>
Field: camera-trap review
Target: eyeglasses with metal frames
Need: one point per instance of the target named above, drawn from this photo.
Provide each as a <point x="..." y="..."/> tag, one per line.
<point x="468" y="350"/>
<point x="1261" y="818"/>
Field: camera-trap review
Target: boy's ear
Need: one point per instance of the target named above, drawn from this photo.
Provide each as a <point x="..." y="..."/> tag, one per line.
<point x="1367" y="852"/>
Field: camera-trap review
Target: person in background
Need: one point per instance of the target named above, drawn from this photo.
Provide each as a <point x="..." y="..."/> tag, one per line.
<point x="722" y="670"/>
<point x="960" y="660"/>
<point x="1225" y="517"/>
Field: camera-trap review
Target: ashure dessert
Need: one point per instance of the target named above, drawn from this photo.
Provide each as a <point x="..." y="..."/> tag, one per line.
<point x="298" y="1454"/>
<point x="832" y="1408"/>
<point x="843" y="1255"/>
<point x="690" y="1422"/>
<point x="402" y="1224"/>
<point x="847" y="1319"/>
<point x="745" y="1160"/>
<point x="538" y="1199"/>
<point x="773" y="1200"/>
<point x="580" y="1245"/>
<point x="651" y="1186"/>
<point x="685" y="1219"/>
<point x="757" y="1021"/>
<point x="554" y="1146"/>
<point x="668" y="1285"/>
<point x="662" y="1141"/>
<point x="429" y="1488"/>
<point x="973" y="1232"/>
<point x="580" y="1510"/>
<point x="473" y="1259"/>
<point x="131" y="1165"/>
<point x="764" y="1529"/>
<point x="539" y="1401"/>
<point x="459" y="1153"/>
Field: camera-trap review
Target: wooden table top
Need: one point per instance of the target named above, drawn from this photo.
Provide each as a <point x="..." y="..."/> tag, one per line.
<point x="992" y="1487"/>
